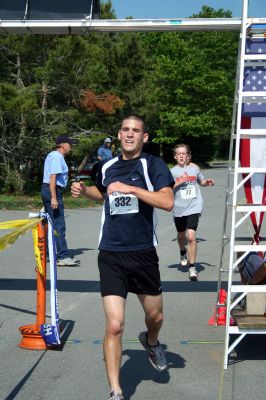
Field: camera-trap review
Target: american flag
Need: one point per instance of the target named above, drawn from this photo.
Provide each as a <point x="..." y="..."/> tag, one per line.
<point x="255" y="78"/>
<point x="253" y="150"/>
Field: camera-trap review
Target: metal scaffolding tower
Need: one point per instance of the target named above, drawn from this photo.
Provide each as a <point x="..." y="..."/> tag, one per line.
<point x="87" y="25"/>
<point x="237" y="211"/>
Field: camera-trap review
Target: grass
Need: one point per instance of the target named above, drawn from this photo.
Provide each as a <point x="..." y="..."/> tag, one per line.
<point x="34" y="202"/>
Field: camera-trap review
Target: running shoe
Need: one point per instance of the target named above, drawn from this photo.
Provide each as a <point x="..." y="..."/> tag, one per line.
<point x="183" y="260"/>
<point x="156" y="353"/>
<point x="67" y="262"/>
<point x="192" y="273"/>
<point x="116" y="396"/>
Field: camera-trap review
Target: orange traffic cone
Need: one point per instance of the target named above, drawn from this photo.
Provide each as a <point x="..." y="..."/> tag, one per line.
<point x="221" y="318"/>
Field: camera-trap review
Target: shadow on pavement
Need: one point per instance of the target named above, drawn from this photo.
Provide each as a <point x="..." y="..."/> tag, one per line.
<point x="79" y="251"/>
<point x="198" y="240"/>
<point x="138" y="368"/>
<point x="252" y="347"/>
<point x="83" y="286"/>
<point x="22" y="310"/>
<point x="13" y="394"/>
<point x="66" y="328"/>
<point x="200" y="267"/>
<point x="63" y="285"/>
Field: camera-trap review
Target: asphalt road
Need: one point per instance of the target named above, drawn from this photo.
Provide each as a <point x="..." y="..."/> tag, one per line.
<point x="76" y="371"/>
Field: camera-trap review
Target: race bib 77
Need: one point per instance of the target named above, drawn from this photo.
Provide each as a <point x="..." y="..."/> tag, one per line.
<point x="188" y="192"/>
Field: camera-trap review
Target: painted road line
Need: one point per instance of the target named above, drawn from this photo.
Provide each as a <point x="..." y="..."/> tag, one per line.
<point x="100" y="341"/>
<point x="201" y="342"/>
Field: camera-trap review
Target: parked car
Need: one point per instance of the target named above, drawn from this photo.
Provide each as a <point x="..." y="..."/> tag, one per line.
<point x="88" y="172"/>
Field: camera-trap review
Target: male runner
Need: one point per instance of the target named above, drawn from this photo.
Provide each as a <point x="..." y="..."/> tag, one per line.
<point x="131" y="185"/>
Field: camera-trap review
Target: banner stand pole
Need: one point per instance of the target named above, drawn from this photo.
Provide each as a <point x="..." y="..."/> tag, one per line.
<point x="31" y="336"/>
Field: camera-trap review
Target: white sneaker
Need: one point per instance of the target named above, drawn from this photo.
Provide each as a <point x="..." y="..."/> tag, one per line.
<point x="183" y="260"/>
<point x="67" y="262"/>
<point x="192" y="273"/>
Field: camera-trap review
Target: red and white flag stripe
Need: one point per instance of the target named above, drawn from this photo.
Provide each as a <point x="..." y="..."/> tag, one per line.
<point x="253" y="154"/>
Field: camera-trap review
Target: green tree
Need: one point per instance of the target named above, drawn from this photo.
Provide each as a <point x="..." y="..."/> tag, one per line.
<point x="182" y="83"/>
<point x="19" y="110"/>
<point x="191" y="84"/>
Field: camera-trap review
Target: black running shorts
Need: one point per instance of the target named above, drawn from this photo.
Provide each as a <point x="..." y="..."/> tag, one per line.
<point x="187" y="222"/>
<point x="131" y="271"/>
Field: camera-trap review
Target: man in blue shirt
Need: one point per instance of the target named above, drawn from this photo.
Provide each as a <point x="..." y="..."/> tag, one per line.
<point x="55" y="178"/>
<point x="104" y="152"/>
<point x="131" y="185"/>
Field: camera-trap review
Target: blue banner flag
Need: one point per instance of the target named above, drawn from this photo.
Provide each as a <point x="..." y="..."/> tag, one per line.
<point x="50" y="331"/>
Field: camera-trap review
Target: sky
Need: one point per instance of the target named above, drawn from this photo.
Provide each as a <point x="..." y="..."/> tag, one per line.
<point x="156" y="9"/>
